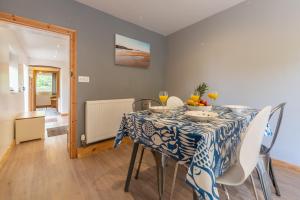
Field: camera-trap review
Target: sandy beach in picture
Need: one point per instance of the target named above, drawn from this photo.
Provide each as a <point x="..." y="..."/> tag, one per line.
<point x="131" y="52"/>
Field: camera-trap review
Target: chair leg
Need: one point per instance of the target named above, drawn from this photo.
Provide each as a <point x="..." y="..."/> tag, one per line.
<point x="160" y="166"/>
<point x="131" y="165"/>
<point x="140" y="162"/>
<point x="263" y="178"/>
<point x="272" y="175"/>
<point x="226" y="191"/>
<point x="164" y="164"/>
<point x="253" y="185"/>
<point x="174" y="180"/>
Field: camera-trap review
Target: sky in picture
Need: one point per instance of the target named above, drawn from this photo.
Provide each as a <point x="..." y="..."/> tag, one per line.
<point x="132" y="43"/>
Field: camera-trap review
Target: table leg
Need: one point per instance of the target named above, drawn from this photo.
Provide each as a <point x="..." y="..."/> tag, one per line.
<point x="131" y="165"/>
<point x="140" y="162"/>
<point x="263" y="178"/>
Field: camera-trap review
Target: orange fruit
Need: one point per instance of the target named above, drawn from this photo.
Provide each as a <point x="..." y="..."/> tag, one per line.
<point x="190" y="102"/>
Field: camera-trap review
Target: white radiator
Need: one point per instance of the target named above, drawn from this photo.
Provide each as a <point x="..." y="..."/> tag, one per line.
<point x="103" y="118"/>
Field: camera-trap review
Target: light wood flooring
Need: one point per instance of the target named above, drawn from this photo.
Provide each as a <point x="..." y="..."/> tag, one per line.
<point x="41" y="170"/>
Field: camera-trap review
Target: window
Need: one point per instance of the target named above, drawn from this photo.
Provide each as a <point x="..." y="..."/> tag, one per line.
<point x="44" y="82"/>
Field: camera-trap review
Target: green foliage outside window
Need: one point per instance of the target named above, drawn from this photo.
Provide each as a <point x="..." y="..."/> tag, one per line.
<point x="44" y="82"/>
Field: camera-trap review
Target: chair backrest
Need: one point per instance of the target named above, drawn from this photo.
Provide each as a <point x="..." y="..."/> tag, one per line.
<point x="174" y="102"/>
<point x="280" y="109"/>
<point x="144" y="104"/>
<point x="251" y="143"/>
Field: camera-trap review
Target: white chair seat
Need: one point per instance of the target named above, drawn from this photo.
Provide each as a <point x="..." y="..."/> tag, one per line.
<point x="232" y="177"/>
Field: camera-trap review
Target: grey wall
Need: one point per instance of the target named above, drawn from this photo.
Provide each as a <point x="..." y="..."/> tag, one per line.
<point x="96" y="32"/>
<point x="250" y="54"/>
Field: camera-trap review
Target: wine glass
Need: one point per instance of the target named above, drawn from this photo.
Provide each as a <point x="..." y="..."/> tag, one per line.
<point x="213" y="96"/>
<point x="163" y="97"/>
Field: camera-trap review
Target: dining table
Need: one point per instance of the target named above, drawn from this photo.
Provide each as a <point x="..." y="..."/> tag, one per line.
<point x="207" y="147"/>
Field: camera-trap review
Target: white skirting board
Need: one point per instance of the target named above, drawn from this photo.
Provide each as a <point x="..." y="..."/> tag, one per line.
<point x="103" y="118"/>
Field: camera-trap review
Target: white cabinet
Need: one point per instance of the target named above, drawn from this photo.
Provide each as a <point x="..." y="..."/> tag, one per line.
<point x="30" y="126"/>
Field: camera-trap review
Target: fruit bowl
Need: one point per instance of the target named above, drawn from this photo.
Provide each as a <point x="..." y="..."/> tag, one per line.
<point x="200" y="108"/>
<point x="198" y="105"/>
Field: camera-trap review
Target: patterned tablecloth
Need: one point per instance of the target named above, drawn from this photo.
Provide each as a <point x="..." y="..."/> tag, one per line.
<point x="208" y="148"/>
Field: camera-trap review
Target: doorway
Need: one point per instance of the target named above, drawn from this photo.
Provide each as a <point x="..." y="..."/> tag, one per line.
<point x="50" y="95"/>
<point x="72" y="35"/>
<point x="44" y="89"/>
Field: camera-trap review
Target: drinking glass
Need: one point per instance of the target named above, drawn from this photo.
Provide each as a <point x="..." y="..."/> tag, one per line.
<point x="163" y="97"/>
<point x="213" y="96"/>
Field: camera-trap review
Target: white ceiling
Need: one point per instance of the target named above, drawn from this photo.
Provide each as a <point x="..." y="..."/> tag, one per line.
<point x="41" y="46"/>
<point x="162" y="16"/>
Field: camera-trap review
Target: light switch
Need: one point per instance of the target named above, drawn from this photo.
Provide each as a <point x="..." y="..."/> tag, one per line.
<point x="83" y="79"/>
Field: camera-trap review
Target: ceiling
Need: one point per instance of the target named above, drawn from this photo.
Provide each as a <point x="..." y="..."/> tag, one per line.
<point x="39" y="45"/>
<point x="162" y="16"/>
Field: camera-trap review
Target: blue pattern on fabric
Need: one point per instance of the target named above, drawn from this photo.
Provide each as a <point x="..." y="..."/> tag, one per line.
<point x="208" y="148"/>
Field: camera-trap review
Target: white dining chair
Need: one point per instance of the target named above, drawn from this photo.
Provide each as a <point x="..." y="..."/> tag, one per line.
<point x="248" y="156"/>
<point x="248" y="153"/>
<point x="174" y="102"/>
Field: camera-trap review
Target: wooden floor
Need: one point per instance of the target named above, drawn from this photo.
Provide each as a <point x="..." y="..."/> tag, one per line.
<point x="41" y="170"/>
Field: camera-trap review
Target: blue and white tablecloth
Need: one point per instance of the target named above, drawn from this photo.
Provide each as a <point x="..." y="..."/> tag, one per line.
<point x="208" y="148"/>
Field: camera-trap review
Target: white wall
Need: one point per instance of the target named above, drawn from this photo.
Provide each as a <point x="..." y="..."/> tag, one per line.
<point x="26" y="87"/>
<point x="10" y="103"/>
<point x="250" y="54"/>
<point x="65" y="90"/>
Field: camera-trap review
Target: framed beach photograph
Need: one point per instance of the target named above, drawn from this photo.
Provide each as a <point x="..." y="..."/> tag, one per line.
<point x="131" y="52"/>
